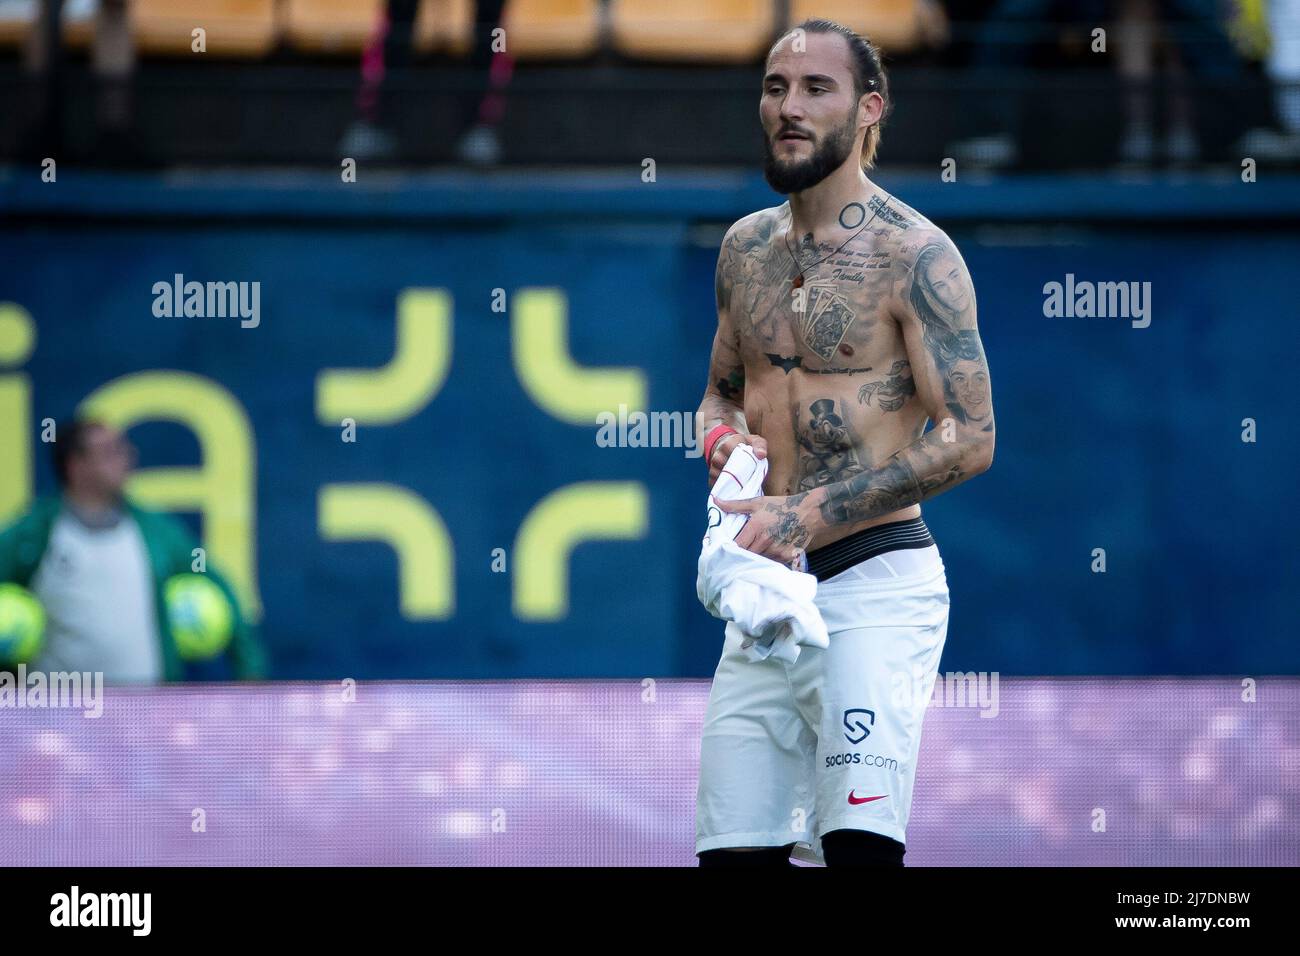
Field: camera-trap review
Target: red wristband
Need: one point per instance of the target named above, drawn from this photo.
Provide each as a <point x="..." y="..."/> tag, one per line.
<point x="714" y="436"/>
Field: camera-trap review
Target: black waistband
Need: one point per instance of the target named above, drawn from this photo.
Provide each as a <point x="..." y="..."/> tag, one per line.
<point x="838" y="556"/>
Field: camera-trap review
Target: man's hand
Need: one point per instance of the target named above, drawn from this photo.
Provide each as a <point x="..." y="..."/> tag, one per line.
<point x="727" y="444"/>
<point x="778" y="527"/>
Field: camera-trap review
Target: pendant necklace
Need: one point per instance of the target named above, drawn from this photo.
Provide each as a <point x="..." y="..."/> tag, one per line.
<point x="797" y="281"/>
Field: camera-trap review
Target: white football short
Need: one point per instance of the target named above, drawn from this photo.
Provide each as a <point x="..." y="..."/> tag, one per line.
<point x="793" y="751"/>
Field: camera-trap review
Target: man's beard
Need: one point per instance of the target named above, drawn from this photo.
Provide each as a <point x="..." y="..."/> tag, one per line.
<point x="797" y="176"/>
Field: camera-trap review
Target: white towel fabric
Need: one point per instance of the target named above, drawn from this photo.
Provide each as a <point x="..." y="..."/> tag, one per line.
<point x="772" y="605"/>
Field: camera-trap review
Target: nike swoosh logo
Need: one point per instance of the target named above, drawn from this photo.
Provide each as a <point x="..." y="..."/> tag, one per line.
<point x="855" y="801"/>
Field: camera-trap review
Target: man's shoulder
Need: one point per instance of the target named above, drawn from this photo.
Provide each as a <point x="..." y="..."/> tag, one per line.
<point x="756" y="229"/>
<point x="39" y="515"/>
<point x="24" y="538"/>
<point x="907" y="230"/>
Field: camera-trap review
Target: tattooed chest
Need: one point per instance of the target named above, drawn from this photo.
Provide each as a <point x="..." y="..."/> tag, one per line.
<point x="835" y="319"/>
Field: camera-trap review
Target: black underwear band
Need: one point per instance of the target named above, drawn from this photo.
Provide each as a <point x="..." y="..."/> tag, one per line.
<point x="838" y="556"/>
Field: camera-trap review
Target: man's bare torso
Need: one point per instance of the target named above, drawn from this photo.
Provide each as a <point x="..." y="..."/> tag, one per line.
<point x="830" y="387"/>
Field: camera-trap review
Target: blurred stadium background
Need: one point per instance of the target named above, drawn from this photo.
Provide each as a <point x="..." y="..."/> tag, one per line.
<point x="471" y="253"/>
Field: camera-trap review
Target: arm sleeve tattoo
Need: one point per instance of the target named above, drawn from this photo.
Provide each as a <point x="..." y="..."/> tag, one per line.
<point x="951" y="375"/>
<point x="724" y="394"/>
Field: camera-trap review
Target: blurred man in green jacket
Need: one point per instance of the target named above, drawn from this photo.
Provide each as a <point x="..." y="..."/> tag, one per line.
<point x="98" y="565"/>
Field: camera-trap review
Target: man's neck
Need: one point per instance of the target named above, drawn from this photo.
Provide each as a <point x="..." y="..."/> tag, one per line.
<point x="823" y="209"/>
<point x="92" y="509"/>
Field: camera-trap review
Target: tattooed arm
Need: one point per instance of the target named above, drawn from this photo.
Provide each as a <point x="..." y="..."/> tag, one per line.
<point x="936" y="309"/>
<point x="935" y="306"/>
<point x="724" y="396"/>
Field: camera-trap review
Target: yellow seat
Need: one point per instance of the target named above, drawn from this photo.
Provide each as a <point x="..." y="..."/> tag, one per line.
<point x="534" y="29"/>
<point x="445" y="26"/>
<point x="242" y="28"/>
<point x="17" y="17"/>
<point x="719" y="31"/>
<point x="892" y="25"/>
<point x="332" y="26"/>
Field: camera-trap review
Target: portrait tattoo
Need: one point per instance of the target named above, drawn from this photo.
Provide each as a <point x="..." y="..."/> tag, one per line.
<point x="941" y="297"/>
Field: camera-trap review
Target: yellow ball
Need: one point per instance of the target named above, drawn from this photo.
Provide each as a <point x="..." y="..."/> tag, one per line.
<point x="199" y="616"/>
<point x="22" y="625"/>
